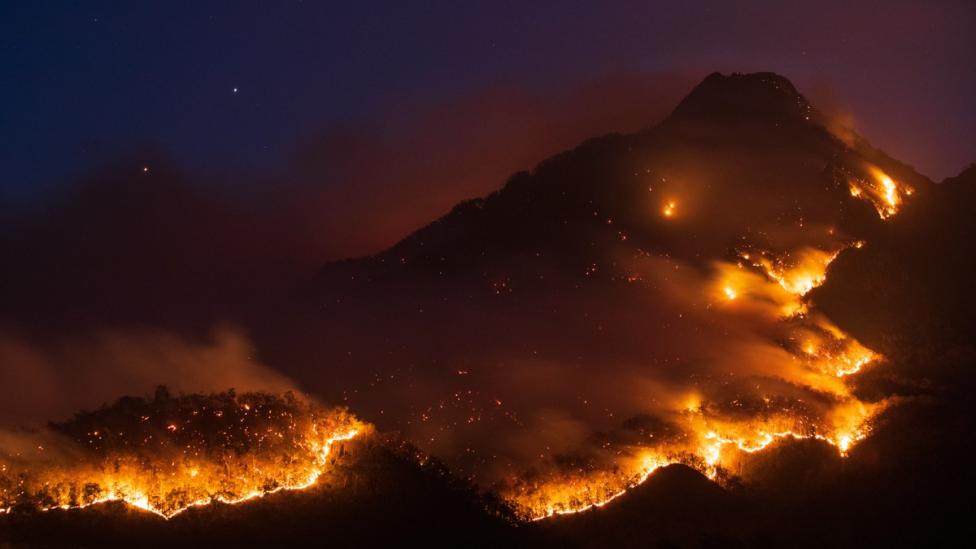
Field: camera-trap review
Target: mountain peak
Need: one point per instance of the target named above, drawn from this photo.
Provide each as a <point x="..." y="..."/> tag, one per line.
<point x="738" y="96"/>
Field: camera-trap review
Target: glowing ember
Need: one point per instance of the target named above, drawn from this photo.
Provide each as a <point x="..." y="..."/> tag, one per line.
<point x="669" y="209"/>
<point x="221" y="448"/>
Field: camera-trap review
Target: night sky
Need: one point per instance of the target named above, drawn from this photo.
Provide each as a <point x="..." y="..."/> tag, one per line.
<point x="242" y="87"/>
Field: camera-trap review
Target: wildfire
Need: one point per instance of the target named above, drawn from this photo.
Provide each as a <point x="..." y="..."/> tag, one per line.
<point x="713" y="445"/>
<point x="577" y="495"/>
<point x="712" y="442"/>
<point x="224" y="448"/>
<point x="191" y="451"/>
<point x="714" y="439"/>
<point x="833" y="353"/>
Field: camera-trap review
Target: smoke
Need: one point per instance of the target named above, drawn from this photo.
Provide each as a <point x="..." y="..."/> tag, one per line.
<point x="121" y="279"/>
<point x="838" y="114"/>
<point x="53" y="378"/>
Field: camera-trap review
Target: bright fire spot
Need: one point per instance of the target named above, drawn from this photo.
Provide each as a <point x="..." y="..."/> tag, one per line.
<point x="882" y="191"/>
<point x="669" y="209"/>
<point x="844" y="443"/>
<point x="890" y="192"/>
<point x="730" y="293"/>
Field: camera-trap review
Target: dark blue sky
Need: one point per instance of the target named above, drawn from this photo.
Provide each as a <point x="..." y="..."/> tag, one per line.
<point x="85" y="82"/>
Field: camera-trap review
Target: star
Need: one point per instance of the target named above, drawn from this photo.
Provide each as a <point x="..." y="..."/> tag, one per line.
<point x="235" y="90"/>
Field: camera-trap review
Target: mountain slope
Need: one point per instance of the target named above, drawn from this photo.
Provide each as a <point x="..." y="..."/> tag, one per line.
<point x="767" y="155"/>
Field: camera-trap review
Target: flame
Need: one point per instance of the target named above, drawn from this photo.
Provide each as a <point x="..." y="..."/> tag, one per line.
<point x="797" y="273"/>
<point x="881" y="191"/>
<point x="575" y="495"/>
<point x="714" y="445"/>
<point x="261" y="448"/>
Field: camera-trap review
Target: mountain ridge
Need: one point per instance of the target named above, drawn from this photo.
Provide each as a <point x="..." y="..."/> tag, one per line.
<point x="718" y="112"/>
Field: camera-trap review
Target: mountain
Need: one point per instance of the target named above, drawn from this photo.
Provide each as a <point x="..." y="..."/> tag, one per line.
<point x="745" y="154"/>
<point x="562" y="274"/>
<point x="767" y="152"/>
<point x="644" y="312"/>
<point x="549" y="327"/>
